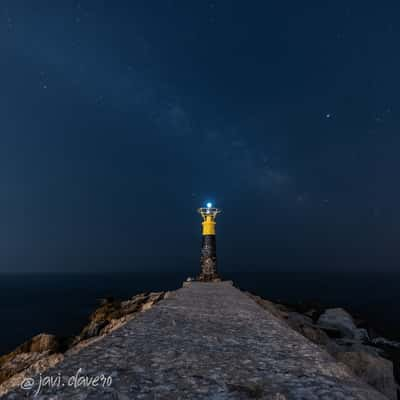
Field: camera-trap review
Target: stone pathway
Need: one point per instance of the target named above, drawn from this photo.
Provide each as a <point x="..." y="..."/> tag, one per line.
<point x="204" y="341"/>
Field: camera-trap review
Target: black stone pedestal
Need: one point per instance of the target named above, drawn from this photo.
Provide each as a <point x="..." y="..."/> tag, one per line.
<point x="208" y="260"/>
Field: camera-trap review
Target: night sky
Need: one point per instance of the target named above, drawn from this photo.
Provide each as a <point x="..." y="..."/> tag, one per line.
<point x="120" y="118"/>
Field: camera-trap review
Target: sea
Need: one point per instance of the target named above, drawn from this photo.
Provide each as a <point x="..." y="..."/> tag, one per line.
<point x="61" y="303"/>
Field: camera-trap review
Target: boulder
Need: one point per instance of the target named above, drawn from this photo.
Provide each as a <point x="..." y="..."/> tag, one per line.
<point x="391" y="350"/>
<point x="338" y="319"/>
<point x="112" y="314"/>
<point x="337" y="332"/>
<point x="92" y="329"/>
<point x="16" y="363"/>
<point x="304" y="325"/>
<point x="371" y="368"/>
<point x="380" y="341"/>
<point x="28" y="353"/>
<point x="38" y="344"/>
<point x="33" y="365"/>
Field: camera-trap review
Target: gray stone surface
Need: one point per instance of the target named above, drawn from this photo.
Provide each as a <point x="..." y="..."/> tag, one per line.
<point x="206" y="341"/>
<point x="340" y="319"/>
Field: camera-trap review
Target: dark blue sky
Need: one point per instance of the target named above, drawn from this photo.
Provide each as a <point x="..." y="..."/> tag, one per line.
<point x="120" y="118"/>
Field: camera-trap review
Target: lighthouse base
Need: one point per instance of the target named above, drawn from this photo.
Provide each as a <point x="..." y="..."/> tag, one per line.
<point x="208" y="260"/>
<point x="208" y="278"/>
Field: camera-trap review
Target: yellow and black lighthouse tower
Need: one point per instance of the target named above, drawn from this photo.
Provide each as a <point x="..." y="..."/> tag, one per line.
<point x="208" y="259"/>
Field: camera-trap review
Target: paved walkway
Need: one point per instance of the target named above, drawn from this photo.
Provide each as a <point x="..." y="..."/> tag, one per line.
<point x="205" y="341"/>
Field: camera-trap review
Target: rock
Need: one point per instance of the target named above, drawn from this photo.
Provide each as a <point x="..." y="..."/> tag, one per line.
<point x="294" y="318"/>
<point x="337" y="332"/>
<point x="40" y="351"/>
<point x="312" y="313"/>
<point x="112" y="314"/>
<point x="274" y="309"/>
<point x="34" y="367"/>
<point x="17" y="363"/>
<point x="304" y="325"/>
<point x="209" y="341"/>
<point x="340" y="320"/>
<point x="385" y="342"/>
<point x="38" y="344"/>
<point x="93" y="329"/>
<point x="152" y="299"/>
<point x="373" y="369"/>
<point x="391" y="350"/>
<point x="339" y="335"/>
<point x="362" y="335"/>
<point x="44" y="351"/>
<point x="116" y="323"/>
<point x="169" y="295"/>
<point x="23" y="356"/>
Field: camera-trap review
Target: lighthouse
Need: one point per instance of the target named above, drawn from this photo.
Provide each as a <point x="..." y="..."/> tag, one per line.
<point x="208" y="259"/>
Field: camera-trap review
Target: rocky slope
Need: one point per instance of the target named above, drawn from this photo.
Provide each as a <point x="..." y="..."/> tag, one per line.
<point x="373" y="359"/>
<point x="203" y="341"/>
<point x="45" y="351"/>
<point x="335" y="330"/>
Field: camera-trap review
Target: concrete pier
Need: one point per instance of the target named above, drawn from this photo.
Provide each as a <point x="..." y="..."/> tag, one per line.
<point x="206" y="341"/>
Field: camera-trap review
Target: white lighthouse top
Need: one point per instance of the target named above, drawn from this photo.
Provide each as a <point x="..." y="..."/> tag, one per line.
<point x="209" y="210"/>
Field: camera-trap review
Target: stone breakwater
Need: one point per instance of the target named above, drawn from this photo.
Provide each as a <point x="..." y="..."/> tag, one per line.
<point x="206" y="341"/>
<point x="44" y="351"/>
